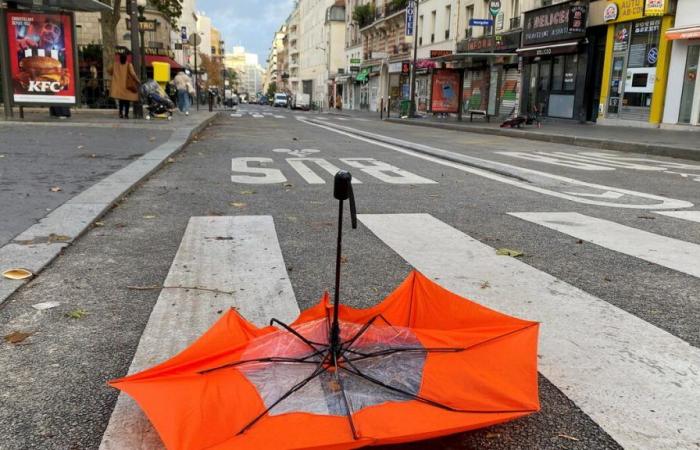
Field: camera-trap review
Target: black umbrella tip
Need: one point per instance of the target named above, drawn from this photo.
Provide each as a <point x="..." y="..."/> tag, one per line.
<point x="342" y="188"/>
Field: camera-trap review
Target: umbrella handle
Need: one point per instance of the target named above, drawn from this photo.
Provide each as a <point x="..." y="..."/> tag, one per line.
<point x="342" y="190"/>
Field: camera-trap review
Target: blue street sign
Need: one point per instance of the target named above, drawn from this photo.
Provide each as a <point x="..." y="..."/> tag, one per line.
<point x="410" y="17"/>
<point x="480" y="22"/>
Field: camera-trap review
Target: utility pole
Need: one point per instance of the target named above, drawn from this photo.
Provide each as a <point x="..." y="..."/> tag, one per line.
<point x="135" y="47"/>
<point x="412" y="108"/>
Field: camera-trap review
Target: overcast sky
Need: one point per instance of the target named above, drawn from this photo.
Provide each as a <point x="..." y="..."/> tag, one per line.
<point x="250" y="23"/>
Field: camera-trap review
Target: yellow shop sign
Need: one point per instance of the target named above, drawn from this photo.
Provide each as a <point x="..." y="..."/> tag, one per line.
<point x="655" y="7"/>
<point x="626" y="10"/>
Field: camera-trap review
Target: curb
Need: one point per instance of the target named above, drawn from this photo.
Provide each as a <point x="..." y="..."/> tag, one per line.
<point x="40" y="244"/>
<point x="628" y="147"/>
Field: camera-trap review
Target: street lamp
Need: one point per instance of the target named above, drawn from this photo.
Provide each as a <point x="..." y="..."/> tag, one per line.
<point x="141" y="6"/>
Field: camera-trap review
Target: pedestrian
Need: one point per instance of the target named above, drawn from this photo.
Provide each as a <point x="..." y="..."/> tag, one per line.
<point x="125" y="85"/>
<point x="183" y="85"/>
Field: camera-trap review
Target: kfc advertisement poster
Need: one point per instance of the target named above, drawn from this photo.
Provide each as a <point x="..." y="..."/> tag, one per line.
<point x="42" y="63"/>
<point x="445" y="97"/>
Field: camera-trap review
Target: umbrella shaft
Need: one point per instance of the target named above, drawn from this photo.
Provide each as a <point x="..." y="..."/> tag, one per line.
<point x="335" y="327"/>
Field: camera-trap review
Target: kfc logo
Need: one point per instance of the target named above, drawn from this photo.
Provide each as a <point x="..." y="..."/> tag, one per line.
<point x="44" y="86"/>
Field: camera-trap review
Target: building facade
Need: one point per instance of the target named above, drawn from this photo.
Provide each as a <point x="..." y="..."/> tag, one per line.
<point x="683" y="96"/>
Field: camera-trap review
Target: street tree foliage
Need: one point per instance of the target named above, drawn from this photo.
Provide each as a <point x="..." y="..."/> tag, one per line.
<point x="213" y="68"/>
<point x="272" y="89"/>
<point x="171" y="9"/>
<point x="363" y="14"/>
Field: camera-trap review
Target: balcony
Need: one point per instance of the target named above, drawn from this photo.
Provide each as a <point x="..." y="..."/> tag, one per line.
<point x="515" y="23"/>
<point x="385" y="11"/>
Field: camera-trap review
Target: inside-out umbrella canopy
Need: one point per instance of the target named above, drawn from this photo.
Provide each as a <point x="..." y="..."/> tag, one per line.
<point x="422" y="363"/>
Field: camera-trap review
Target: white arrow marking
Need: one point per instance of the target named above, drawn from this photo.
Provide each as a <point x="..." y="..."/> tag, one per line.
<point x="608" y="194"/>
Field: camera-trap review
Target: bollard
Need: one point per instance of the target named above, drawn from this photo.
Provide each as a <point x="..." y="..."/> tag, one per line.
<point x="388" y="108"/>
<point x="211" y="101"/>
<point x="381" y="109"/>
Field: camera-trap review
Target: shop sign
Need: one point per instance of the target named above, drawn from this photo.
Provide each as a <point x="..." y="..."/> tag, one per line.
<point x="183" y="33"/>
<point x="654" y="7"/>
<point x="405" y="67"/>
<point x="500" y="18"/>
<point x="653" y="56"/>
<point x="355" y="61"/>
<point x="42" y="62"/>
<point x="555" y="23"/>
<point x="627" y="10"/>
<point x="611" y="12"/>
<point x="144" y="25"/>
<point x="395" y="67"/>
<point x="507" y="41"/>
<point x="425" y="64"/>
<point x="439" y="53"/>
<point x="410" y="17"/>
<point x="445" y="89"/>
<point x="480" y="22"/>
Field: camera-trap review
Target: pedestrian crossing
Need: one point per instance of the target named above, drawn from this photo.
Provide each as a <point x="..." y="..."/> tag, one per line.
<point x="255" y="115"/>
<point x="639" y="383"/>
<point x="285" y="114"/>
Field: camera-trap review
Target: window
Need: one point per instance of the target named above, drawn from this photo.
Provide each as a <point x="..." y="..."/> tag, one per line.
<point x="468" y="16"/>
<point x="557" y="73"/>
<point x="448" y="19"/>
<point x="421" y="30"/>
<point x="433" y="17"/>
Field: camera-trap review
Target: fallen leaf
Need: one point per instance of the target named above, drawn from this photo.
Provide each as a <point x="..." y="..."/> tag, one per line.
<point x="93" y="155"/>
<point x="16" y="337"/>
<point x="485" y="285"/>
<point x="45" y="305"/>
<point x="509" y="252"/>
<point x="76" y="314"/>
<point x="492" y="435"/>
<point x="58" y="238"/>
<point x="247" y="192"/>
<point x="149" y="216"/>
<point x="55" y="189"/>
<point x="99" y="224"/>
<point x="80" y="147"/>
<point x="171" y="160"/>
<point x="607" y="279"/>
<point x="343" y="260"/>
<point x="17" y="274"/>
<point x="292" y="218"/>
<point x="152" y="138"/>
<point x="570" y="438"/>
<point x="580" y="241"/>
<point x="120" y="225"/>
<point x="238" y="204"/>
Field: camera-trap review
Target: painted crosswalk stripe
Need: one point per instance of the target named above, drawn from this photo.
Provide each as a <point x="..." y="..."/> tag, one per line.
<point x="247" y="261"/>
<point x="236" y="115"/>
<point x="638" y="382"/>
<point x="664" y="251"/>
<point x="693" y="216"/>
<point x="258" y="116"/>
<point x="276" y="116"/>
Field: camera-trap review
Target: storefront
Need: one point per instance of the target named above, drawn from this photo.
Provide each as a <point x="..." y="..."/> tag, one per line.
<point x="683" y="104"/>
<point x="424" y="68"/>
<point x="554" y="60"/>
<point x="491" y="80"/>
<point x="399" y="84"/>
<point x="637" y="55"/>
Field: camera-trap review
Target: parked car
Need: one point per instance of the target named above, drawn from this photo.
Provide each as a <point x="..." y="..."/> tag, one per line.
<point x="301" y="101"/>
<point x="263" y="100"/>
<point x="281" y="100"/>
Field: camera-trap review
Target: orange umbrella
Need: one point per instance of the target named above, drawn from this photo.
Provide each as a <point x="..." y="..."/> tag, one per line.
<point x="422" y="363"/>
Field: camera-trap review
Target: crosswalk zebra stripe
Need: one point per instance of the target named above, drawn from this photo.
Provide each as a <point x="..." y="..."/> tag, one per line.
<point x="276" y="116"/>
<point x="230" y="254"/>
<point x="693" y="216"/>
<point x="638" y="382"/>
<point x="664" y="251"/>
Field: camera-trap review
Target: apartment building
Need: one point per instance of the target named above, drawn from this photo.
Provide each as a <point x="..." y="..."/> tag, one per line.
<point x="272" y="73"/>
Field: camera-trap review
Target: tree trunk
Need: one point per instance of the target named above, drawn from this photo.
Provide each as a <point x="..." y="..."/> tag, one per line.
<point x="109" y="20"/>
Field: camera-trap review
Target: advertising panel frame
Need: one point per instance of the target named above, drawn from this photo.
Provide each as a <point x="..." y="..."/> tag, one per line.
<point x="439" y="102"/>
<point x="12" y="69"/>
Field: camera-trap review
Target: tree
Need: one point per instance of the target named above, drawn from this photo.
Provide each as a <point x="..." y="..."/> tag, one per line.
<point x="213" y="68"/>
<point x="272" y="89"/>
<point x="172" y="9"/>
<point x="363" y="14"/>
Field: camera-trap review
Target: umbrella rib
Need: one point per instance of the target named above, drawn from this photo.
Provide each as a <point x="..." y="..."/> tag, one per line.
<point x="355" y="371"/>
<point x="311" y="344"/>
<point x="345" y="400"/>
<point x="347" y="344"/>
<point x="319" y="370"/>
<point x="391" y="351"/>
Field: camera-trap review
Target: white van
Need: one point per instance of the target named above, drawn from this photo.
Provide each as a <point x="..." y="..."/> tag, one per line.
<point x="280" y="100"/>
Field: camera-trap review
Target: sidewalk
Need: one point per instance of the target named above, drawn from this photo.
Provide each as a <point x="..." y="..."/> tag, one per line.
<point x="677" y="144"/>
<point x="58" y="176"/>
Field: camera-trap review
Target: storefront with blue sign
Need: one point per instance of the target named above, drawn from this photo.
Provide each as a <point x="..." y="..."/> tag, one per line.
<point x="554" y="60"/>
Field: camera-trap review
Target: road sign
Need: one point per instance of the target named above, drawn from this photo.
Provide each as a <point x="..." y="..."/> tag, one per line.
<point x="494" y="7"/>
<point x="480" y="22"/>
<point x="410" y="17"/>
<point x="195" y="39"/>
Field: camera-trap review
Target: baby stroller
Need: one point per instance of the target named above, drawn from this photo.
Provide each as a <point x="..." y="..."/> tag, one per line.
<point x="156" y="102"/>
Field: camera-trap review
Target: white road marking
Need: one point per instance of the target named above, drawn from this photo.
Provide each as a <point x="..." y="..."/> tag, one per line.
<point x="276" y="116"/>
<point x="299" y="164"/>
<point x="250" y="265"/>
<point x="664" y="251"/>
<point x="266" y="175"/>
<point x="609" y="194"/>
<point x="342" y="118"/>
<point x="258" y="116"/>
<point x="693" y="216"/>
<point x="638" y="382"/>
<point x="237" y="115"/>
<point x="386" y="172"/>
<point x="546" y="178"/>
<point x="547" y="158"/>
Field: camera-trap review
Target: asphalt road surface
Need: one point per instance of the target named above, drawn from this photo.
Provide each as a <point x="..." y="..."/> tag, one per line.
<point x="610" y="266"/>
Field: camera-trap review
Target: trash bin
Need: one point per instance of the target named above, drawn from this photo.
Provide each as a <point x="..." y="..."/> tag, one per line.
<point x="405" y="107"/>
<point x="161" y="73"/>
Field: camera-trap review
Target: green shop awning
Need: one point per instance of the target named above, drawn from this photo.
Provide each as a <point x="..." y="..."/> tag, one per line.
<point x="362" y="76"/>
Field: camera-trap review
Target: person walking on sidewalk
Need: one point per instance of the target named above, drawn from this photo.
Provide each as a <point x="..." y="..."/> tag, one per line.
<point x="125" y="85"/>
<point x="183" y="85"/>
